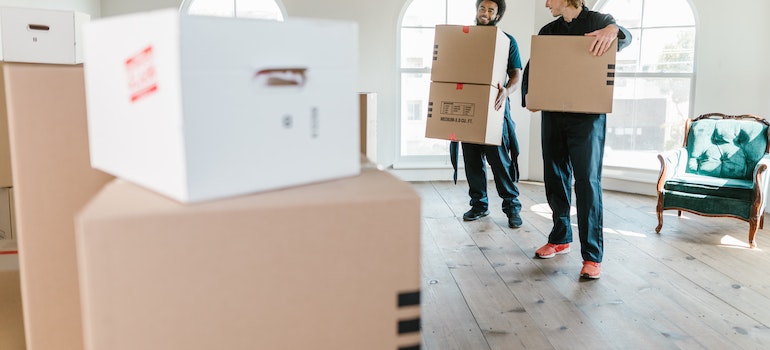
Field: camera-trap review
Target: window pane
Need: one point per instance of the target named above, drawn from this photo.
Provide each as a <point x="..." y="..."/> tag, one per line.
<point x="462" y="12"/>
<point x="415" y="89"/>
<point x="425" y="13"/>
<point x="212" y="8"/>
<point x="627" y="60"/>
<point x="417" y="47"/>
<point x="659" y="13"/>
<point x="264" y="9"/>
<point x="648" y="116"/>
<point x="669" y="50"/>
<point x="627" y="13"/>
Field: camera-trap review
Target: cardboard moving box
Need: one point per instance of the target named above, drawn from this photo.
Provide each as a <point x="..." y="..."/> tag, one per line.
<point x="322" y="266"/>
<point x="200" y="108"/>
<point x="470" y="54"/>
<point x="464" y="112"/>
<point x="565" y="77"/>
<point x="52" y="181"/>
<point x="41" y="36"/>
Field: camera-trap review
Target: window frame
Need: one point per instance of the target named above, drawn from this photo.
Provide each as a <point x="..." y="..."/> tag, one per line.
<point x="633" y="172"/>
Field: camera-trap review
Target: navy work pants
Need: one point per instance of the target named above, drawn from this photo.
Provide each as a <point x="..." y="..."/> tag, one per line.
<point x="573" y="145"/>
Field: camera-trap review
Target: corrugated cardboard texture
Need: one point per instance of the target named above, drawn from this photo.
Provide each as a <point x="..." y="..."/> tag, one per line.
<point x="53" y="179"/>
<point x="470" y="54"/>
<point x="464" y="112"/>
<point x="564" y="76"/>
<point x="11" y="322"/>
<point x="312" y="267"/>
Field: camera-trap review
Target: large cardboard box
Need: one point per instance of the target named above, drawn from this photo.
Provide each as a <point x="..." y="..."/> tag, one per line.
<point x="464" y="112"/>
<point x="470" y="54"/>
<point x="41" y="35"/>
<point x="565" y="76"/>
<point x="323" y="266"/>
<point x="200" y="108"/>
<point x="52" y="181"/>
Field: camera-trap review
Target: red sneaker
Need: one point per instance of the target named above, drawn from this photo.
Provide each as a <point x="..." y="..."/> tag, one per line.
<point x="550" y="250"/>
<point x="591" y="269"/>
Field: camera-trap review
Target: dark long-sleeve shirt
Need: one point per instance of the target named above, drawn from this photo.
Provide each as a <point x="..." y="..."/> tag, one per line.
<point x="587" y="21"/>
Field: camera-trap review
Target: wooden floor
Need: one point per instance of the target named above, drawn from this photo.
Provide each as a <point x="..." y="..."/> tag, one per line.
<point x="696" y="285"/>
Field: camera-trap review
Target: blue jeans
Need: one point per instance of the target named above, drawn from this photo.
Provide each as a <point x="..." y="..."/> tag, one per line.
<point x="500" y="161"/>
<point x="573" y="145"/>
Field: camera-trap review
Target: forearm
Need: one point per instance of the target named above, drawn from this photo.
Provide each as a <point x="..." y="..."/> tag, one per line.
<point x="513" y="81"/>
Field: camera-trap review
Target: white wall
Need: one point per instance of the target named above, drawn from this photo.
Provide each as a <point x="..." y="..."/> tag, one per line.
<point x="91" y="7"/>
<point x="732" y="51"/>
<point x="118" y="7"/>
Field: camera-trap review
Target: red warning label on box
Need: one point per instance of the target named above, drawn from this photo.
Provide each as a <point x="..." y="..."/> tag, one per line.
<point x="140" y="73"/>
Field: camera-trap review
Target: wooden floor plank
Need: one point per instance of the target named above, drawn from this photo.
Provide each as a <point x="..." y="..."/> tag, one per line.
<point x="695" y="285"/>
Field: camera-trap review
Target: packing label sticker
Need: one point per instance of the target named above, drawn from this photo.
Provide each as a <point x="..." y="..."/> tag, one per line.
<point x="140" y="74"/>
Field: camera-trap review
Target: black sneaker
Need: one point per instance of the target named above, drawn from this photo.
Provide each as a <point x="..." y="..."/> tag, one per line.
<point x="474" y="214"/>
<point x="514" y="220"/>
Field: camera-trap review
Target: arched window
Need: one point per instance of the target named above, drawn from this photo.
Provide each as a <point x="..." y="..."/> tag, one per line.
<point x="263" y="9"/>
<point x="417" y="32"/>
<point x="654" y="82"/>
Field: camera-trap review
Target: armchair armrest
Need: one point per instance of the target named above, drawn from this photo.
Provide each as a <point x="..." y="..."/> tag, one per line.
<point x="672" y="163"/>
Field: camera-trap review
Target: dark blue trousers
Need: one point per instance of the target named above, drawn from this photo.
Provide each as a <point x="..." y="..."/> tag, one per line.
<point x="502" y="169"/>
<point x="573" y="145"/>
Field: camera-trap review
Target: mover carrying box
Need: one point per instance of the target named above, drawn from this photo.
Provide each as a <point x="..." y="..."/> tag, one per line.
<point x="468" y="64"/>
<point x="41" y="36"/>
<point x="464" y="112"/>
<point x="334" y="265"/>
<point x="564" y="76"/>
<point x="199" y="108"/>
<point x="470" y="54"/>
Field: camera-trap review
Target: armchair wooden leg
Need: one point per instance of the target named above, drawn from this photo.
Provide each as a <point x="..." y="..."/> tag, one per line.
<point x="660" y="221"/>
<point x="753" y="224"/>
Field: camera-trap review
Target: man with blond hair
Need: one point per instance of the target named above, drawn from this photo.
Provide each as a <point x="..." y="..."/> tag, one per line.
<point x="573" y="144"/>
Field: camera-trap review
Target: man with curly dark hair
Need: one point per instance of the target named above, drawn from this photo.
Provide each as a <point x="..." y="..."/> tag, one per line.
<point x="502" y="159"/>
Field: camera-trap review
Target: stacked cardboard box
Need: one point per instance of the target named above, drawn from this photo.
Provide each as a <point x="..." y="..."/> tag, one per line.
<point x="181" y="105"/>
<point x="556" y="85"/>
<point x="44" y="175"/>
<point x="41" y="35"/>
<point x="187" y="249"/>
<point x="468" y="64"/>
<point x="52" y="181"/>
<point x="337" y="262"/>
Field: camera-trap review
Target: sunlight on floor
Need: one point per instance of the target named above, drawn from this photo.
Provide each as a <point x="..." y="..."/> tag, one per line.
<point x="544" y="210"/>
<point x="624" y="233"/>
<point x="728" y="241"/>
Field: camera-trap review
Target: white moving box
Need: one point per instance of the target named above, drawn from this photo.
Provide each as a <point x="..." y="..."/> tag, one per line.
<point x="200" y="108"/>
<point x="41" y="36"/>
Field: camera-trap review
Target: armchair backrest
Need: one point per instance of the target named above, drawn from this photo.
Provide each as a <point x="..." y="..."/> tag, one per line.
<point x="725" y="146"/>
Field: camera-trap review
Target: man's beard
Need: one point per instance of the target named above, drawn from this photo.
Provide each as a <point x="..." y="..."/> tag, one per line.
<point x="491" y="23"/>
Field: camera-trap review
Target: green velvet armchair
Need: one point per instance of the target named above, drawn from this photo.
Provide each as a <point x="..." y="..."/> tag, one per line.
<point x="720" y="171"/>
